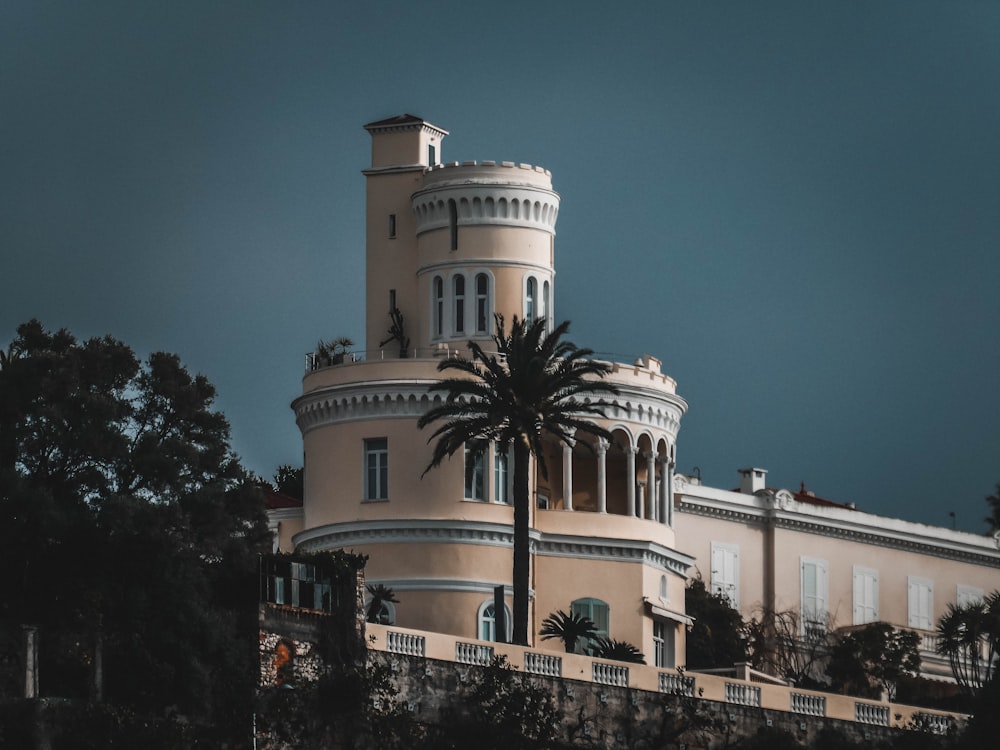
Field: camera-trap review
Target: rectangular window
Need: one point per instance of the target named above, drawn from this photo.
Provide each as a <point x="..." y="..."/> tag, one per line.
<point x="920" y="599"/>
<point x="968" y="595"/>
<point x="726" y="572"/>
<point x="431" y="155"/>
<point x="598" y="611"/>
<point x="501" y="492"/>
<point x="865" y="595"/>
<point x="659" y="656"/>
<point x="376" y="469"/>
<point x="392" y="226"/>
<point x="475" y="471"/>
<point x="815" y="593"/>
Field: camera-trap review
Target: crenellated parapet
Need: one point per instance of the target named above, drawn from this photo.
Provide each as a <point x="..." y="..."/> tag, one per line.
<point x="486" y="193"/>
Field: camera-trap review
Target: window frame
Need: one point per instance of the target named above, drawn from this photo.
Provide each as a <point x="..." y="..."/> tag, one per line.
<point x="501" y="476"/>
<point x="482" y="620"/>
<point x="530" y="299"/>
<point x="482" y="303"/>
<point x="377" y="449"/>
<point x="589" y="606"/>
<point x="479" y="471"/>
<point x="813" y="614"/>
<point x="437" y="300"/>
<point x="719" y="582"/>
<point x="915" y="616"/>
<point x="864" y="611"/>
<point x="458" y="303"/>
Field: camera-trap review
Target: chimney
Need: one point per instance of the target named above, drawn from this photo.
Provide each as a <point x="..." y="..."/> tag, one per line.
<point x="752" y="480"/>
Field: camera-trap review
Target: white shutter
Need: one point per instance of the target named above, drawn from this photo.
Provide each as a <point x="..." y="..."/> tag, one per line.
<point x="726" y="572"/>
<point x="920" y="602"/>
<point x="865" y="595"/>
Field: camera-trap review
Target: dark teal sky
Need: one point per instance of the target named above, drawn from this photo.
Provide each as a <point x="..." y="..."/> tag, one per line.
<point x="795" y="205"/>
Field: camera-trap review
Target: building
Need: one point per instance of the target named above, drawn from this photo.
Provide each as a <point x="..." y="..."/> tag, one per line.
<point x="614" y="532"/>
<point x="447" y="246"/>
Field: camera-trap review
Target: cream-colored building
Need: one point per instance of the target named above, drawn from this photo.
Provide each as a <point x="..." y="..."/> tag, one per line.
<point x="614" y="533"/>
<point x="449" y="245"/>
<point x="829" y="562"/>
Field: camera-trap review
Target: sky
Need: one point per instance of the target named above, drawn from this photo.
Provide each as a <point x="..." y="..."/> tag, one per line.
<point x="795" y="205"/>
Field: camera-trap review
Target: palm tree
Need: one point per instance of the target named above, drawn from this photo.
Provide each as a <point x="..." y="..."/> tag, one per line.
<point x="618" y="651"/>
<point x="969" y="635"/>
<point x="380" y="595"/>
<point x="569" y="628"/>
<point x="532" y="387"/>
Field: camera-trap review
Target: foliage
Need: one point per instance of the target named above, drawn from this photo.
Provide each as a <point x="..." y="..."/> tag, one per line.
<point x="870" y="660"/>
<point x="604" y="648"/>
<point x="782" y="644"/>
<point x="289" y="480"/>
<point x="126" y="520"/>
<point x="533" y="387"/>
<point x="397" y="333"/>
<point x="993" y="519"/>
<point x="768" y="738"/>
<point x="715" y="639"/>
<point x="569" y="628"/>
<point x="969" y="635"/>
<point x="380" y="594"/>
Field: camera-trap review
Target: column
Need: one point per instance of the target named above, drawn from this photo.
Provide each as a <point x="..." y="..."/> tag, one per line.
<point x="630" y="452"/>
<point x="568" y="475"/>
<point x="602" y="475"/>
<point x="651" y="485"/>
<point x="665" y="514"/>
<point x="641" y="499"/>
<point x="670" y="492"/>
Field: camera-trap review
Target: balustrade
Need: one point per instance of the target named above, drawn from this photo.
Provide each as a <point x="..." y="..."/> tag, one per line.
<point x="610" y="674"/>
<point x="543" y="664"/>
<point x="676" y="684"/>
<point x="405" y="643"/>
<point x="809" y="705"/>
<point x="868" y="713"/>
<point x="473" y="653"/>
<point x="743" y="695"/>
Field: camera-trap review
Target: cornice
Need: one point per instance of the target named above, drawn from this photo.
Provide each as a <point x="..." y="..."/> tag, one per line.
<point x="459" y="585"/>
<point x="359" y="534"/>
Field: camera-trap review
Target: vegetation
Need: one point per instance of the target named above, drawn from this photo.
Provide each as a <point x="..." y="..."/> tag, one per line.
<point x="993" y="501"/>
<point x="569" y="628"/>
<point x="782" y="644"/>
<point x="605" y="648"/>
<point x="397" y="333"/>
<point x="871" y="660"/>
<point x="716" y="637"/>
<point x="380" y="594"/>
<point x="531" y="388"/>
<point x="969" y="635"/>
<point x="289" y="480"/>
<point x="129" y="531"/>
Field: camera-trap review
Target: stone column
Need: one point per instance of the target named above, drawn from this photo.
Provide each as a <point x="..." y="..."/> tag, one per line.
<point x="641" y="499"/>
<point x="665" y="515"/>
<point x="651" y="485"/>
<point x="568" y="475"/>
<point x="670" y="493"/>
<point x="602" y="475"/>
<point x="630" y="452"/>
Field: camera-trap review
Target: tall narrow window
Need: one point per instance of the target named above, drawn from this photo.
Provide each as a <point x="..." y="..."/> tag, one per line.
<point x="392" y="226"/>
<point x="814" y="593"/>
<point x="501" y="492"/>
<point x="475" y="471"/>
<point x="431" y="154"/>
<point x="663" y="644"/>
<point x="459" y="283"/>
<point x="921" y="602"/>
<point x="488" y="621"/>
<point x="596" y="610"/>
<point x="531" y="300"/>
<point x="482" y="302"/>
<point x="546" y="311"/>
<point x="453" y="223"/>
<point x="865" y="595"/>
<point x="438" y="305"/>
<point x="392" y="300"/>
<point x="376" y="469"/>
<point x="726" y="572"/>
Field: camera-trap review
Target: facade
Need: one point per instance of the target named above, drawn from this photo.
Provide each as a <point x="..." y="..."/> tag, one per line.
<point x="614" y="533"/>
<point x="448" y="245"/>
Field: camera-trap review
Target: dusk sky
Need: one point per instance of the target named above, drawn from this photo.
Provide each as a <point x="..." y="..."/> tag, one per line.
<point x="795" y="205"/>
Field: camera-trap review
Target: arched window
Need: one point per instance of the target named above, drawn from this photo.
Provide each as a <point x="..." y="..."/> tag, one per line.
<point x="386" y="613"/>
<point x="596" y="610"/>
<point x="546" y="311"/>
<point x="530" y="300"/>
<point x="482" y="303"/>
<point x="475" y="471"/>
<point x="438" y="305"/>
<point x="664" y="591"/>
<point x="459" y="285"/>
<point x="487" y="630"/>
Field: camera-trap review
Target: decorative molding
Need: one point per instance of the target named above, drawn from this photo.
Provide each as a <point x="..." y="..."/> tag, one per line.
<point x="480" y="203"/>
<point x="445" y="584"/>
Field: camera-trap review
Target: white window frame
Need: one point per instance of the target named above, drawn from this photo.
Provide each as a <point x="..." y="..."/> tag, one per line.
<point x="664" y="644"/>
<point x="968" y="595"/>
<point x="380" y="489"/>
<point x="470" y="490"/>
<point x="387" y="607"/>
<point x="920" y="602"/>
<point x="530" y="299"/>
<point x="725" y="572"/>
<point x="590" y="606"/>
<point x="814" y="612"/>
<point x="865" y="595"/>
<point x="482" y="303"/>
<point x="502" y="478"/>
<point x="488" y="621"/>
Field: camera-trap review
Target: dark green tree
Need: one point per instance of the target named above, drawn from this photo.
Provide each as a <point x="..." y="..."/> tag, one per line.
<point x="534" y="387"/>
<point x="569" y="628"/>
<point x="716" y="638"/>
<point x="380" y="594"/>
<point x="127" y="521"/>
<point x="605" y="648"/>
<point x="969" y="635"/>
<point x="872" y="659"/>
<point x="290" y="481"/>
<point x="993" y="519"/>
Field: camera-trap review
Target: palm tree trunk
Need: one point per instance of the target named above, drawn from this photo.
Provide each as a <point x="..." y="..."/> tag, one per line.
<point x="522" y="550"/>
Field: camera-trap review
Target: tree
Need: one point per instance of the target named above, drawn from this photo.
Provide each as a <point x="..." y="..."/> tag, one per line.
<point x="569" y="628"/>
<point x="993" y="519"/>
<point x="605" y="648"/>
<point x="290" y="481"/>
<point x="380" y="594"/>
<point x="872" y="659"/>
<point x="969" y="635"/>
<point x="781" y="643"/>
<point x="126" y="519"/>
<point x="532" y="388"/>
<point x="715" y="639"/>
